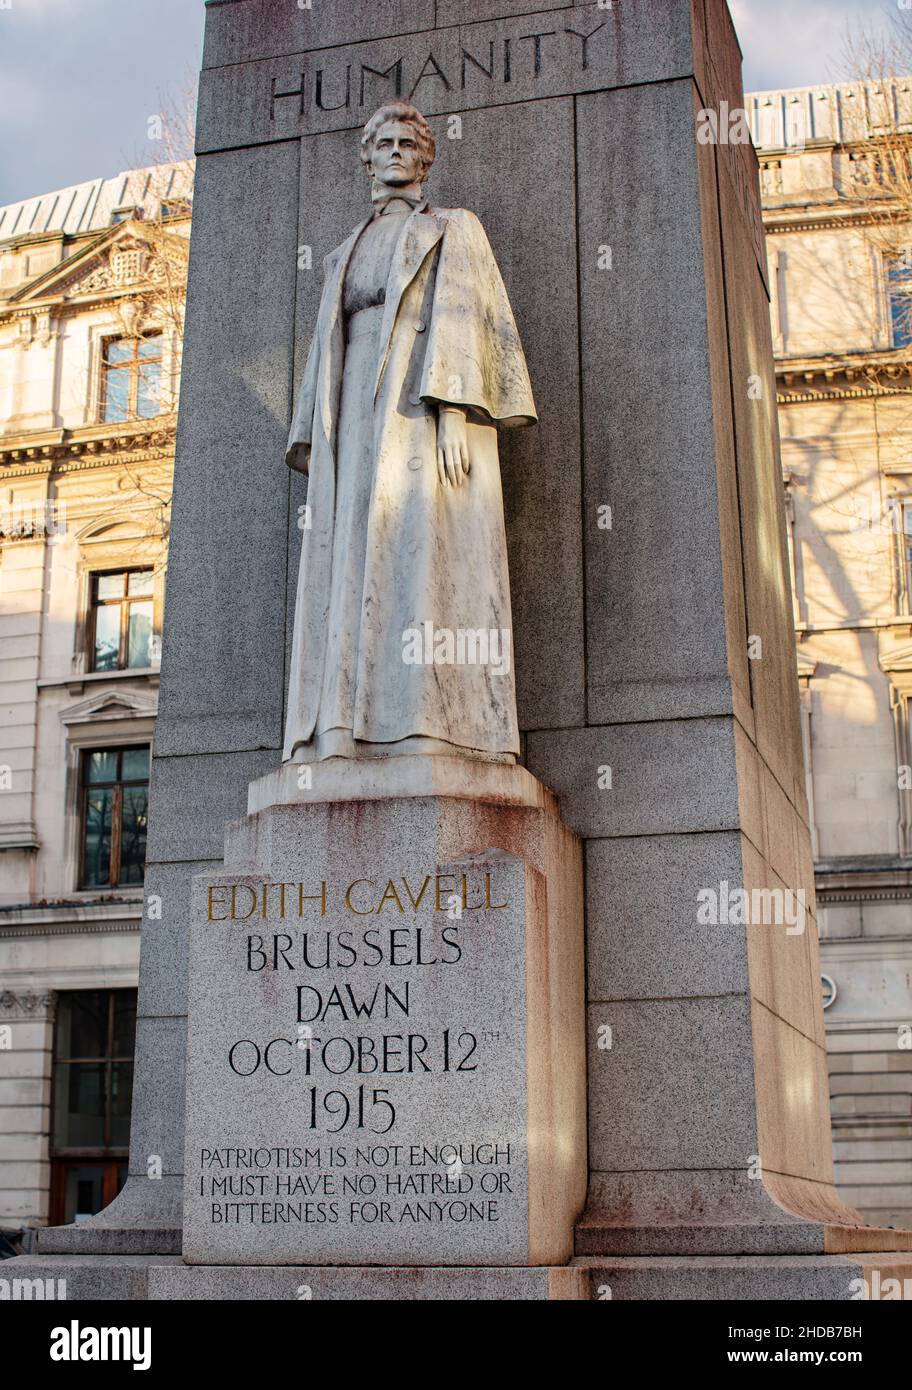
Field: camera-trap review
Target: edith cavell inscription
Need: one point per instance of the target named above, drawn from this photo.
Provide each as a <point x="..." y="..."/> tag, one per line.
<point x="365" y="1096"/>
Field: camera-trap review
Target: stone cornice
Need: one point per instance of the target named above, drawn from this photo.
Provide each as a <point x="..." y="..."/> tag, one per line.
<point x="86" y="277"/>
<point x="826" y="217"/>
<point x="91" y="446"/>
<point x="811" y="379"/>
<point x="99" y="928"/>
<point x="857" y="882"/>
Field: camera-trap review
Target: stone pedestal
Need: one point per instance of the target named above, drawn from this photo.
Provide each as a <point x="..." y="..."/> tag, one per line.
<point x="386" y="1050"/>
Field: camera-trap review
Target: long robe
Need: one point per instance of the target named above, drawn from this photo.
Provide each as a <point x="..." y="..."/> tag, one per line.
<point x="433" y="554"/>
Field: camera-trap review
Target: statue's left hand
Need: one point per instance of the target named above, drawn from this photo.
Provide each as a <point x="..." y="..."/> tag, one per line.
<point x="452" y="445"/>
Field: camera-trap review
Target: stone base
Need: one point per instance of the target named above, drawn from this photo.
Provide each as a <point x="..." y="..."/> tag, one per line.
<point x="388" y="969"/>
<point x="144" y="1219"/>
<point x="729" y="1214"/>
<point x="87" y="1278"/>
<point x="357" y="1284"/>
<point x="747" y="1278"/>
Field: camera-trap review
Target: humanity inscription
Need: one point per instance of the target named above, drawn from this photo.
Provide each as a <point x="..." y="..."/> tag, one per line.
<point x="356" y="1068"/>
<point x="459" y="68"/>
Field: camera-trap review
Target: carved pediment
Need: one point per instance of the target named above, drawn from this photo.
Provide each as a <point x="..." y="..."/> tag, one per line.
<point x="123" y="258"/>
<point x="111" y="705"/>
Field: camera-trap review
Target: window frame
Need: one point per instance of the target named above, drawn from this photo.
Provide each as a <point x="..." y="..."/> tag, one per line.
<point x="112" y="1159"/>
<point x="117" y="787"/>
<point x="125" y="601"/>
<point x="134" y="366"/>
<point x="902" y="257"/>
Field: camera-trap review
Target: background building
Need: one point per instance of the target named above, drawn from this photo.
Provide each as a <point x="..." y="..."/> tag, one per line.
<point x="835" y="183"/>
<point x="91" y="305"/>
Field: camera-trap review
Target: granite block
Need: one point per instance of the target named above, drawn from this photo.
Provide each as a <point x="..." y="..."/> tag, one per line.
<point x="790" y="1278"/>
<point x="667" y="777"/>
<point x="469" y="1026"/>
<point x="165" y="937"/>
<point x="456" y="67"/>
<point x="675" y="1088"/>
<point x="192" y="797"/>
<point x="250" y="29"/>
<point x="644" y="939"/>
<point x="773" y="673"/>
<point x="221" y="686"/>
<point x="321" y="1283"/>
<point x="792" y="1100"/>
<point x="157" y="1129"/>
<point x="662" y="652"/>
<point x="87" y="1278"/>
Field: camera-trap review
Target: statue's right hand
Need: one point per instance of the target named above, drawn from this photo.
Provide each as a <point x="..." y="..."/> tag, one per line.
<point x="452" y="446"/>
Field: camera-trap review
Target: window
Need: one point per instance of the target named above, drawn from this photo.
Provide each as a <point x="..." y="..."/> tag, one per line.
<point x="899" y="292"/>
<point x="115" y="797"/>
<point x="121" y="620"/>
<point x="131" y="378"/>
<point x="94" y="1038"/>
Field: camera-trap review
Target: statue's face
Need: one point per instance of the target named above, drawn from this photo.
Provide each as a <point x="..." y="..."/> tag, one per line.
<point x="395" y="159"/>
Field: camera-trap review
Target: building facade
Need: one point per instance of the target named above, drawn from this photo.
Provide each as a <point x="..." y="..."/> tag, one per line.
<point x="837" y="211"/>
<point x="91" y="303"/>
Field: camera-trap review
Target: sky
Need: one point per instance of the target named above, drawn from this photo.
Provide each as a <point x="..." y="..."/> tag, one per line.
<point x="80" y="79"/>
<point x="800" y="43"/>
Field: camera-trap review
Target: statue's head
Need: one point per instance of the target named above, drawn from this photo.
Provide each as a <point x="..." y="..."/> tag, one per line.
<point x="397" y="145"/>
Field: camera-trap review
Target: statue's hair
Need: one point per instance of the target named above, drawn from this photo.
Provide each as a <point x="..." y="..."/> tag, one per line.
<point x="400" y="111"/>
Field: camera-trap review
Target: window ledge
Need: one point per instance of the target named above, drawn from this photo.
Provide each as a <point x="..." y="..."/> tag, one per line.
<point x="76" y="681"/>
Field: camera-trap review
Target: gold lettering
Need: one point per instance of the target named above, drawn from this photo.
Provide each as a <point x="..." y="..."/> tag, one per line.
<point x="213" y="888"/>
<point x="416" y="902"/>
<point x="253" y="901"/>
<point x="441" y="878"/>
<point x="312" y="898"/>
<point x="466" y="905"/>
<point x="488" y="903"/>
<point x="348" y="902"/>
<point x="390" y="891"/>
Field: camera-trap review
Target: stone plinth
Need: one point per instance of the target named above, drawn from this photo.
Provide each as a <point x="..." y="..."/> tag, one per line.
<point x="386" y="1058"/>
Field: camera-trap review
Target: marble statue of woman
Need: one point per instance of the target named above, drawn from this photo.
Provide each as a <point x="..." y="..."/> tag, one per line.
<point x="402" y="634"/>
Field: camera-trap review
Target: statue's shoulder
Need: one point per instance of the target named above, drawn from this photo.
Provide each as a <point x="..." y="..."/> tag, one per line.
<point x="458" y="216"/>
<point x="460" y="222"/>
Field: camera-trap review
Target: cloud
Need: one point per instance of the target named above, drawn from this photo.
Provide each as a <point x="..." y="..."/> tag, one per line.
<point x="800" y="43"/>
<point x="80" y="79"/>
